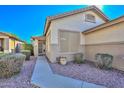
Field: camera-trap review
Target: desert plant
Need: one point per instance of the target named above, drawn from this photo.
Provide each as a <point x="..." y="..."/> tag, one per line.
<point x="103" y="61"/>
<point x="10" y="64"/>
<point x="78" y="58"/>
<point x="28" y="47"/>
<point x="2" y="54"/>
<point x="27" y="53"/>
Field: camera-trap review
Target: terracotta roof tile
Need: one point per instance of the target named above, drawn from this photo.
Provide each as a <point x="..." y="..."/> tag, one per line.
<point x="38" y="37"/>
<point x="107" y="24"/>
<point x="12" y="36"/>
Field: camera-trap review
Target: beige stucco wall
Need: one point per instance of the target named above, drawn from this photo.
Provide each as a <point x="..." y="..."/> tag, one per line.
<point x="5" y="42"/>
<point x="108" y="40"/>
<point x="11" y="44"/>
<point x="113" y="33"/>
<point x="35" y="47"/>
<point x="48" y="44"/>
<point x="6" y="45"/>
<point x="55" y="53"/>
<point x="117" y="50"/>
<point x="72" y="23"/>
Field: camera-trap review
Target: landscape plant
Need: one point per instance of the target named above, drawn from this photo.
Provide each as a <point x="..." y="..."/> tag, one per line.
<point x="10" y="64"/>
<point x="27" y="53"/>
<point x="28" y="47"/>
<point x="78" y="58"/>
<point x="103" y="61"/>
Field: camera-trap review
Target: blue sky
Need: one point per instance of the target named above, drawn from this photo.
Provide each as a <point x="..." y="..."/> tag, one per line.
<point x="27" y="21"/>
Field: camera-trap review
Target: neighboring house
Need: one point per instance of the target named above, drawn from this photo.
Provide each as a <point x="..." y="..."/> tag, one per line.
<point x="8" y="42"/>
<point x="38" y="43"/>
<point x="86" y="31"/>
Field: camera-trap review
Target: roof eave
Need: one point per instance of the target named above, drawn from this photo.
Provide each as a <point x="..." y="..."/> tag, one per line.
<point x="48" y="19"/>
<point x="110" y="23"/>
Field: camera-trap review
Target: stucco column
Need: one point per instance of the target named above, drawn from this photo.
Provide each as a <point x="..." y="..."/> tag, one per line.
<point x="35" y="45"/>
<point x="6" y="45"/>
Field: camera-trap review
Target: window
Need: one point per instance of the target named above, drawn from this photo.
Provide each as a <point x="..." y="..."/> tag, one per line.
<point x="90" y="18"/>
<point x="69" y="41"/>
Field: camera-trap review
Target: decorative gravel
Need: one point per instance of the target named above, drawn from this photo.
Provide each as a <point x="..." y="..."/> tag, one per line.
<point x="21" y="80"/>
<point x="88" y="72"/>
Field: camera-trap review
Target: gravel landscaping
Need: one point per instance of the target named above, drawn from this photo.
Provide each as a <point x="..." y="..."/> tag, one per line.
<point x="88" y="72"/>
<point x="21" y="80"/>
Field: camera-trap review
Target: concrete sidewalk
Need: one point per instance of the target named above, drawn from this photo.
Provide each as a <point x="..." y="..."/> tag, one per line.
<point x="44" y="77"/>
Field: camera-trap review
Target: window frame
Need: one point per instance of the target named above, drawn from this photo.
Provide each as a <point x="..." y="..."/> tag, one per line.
<point x="88" y="20"/>
<point x="68" y="52"/>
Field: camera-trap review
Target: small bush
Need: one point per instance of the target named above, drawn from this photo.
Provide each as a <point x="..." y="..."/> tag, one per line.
<point x="103" y="61"/>
<point x="10" y="64"/>
<point x="78" y="58"/>
<point x="2" y="54"/>
<point x="28" y="47"/>
<point x="27" y="53"/>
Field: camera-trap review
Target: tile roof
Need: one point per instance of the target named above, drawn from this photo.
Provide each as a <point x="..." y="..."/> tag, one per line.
<point x="12" y="36"/>
<point x="38" y="37"/>
<point x="107" y="24"/>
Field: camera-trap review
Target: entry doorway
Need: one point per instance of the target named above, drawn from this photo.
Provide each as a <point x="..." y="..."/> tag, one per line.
<point x="41" y="47"/>
<point x="1" y="44"/>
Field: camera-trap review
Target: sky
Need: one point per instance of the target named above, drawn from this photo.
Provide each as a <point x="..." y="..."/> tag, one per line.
<point x="27" y="21"/>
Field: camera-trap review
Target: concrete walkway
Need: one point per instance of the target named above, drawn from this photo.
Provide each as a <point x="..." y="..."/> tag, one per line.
<point x="44" y="77"/>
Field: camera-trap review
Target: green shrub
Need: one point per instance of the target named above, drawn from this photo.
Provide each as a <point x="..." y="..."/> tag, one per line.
<point x="27" y="53"/>
<point x="28" y="47"/>
<point x="104" y="61"/>
<point x="10" y="64"/>
<point x="78" y="58"/>
<point x="2" y="54"/>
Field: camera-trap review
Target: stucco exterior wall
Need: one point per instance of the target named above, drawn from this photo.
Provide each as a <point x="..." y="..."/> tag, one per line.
<point x="72" y="23"/>
<point x="54" y="53"/>
<point x="117" y="50"/>
<point x="6" y="45"/>
<point x="11" y="45"/>
<point x="113" y="33"/>
<point x="109" y="40"/>
<point x="48" y="44"/>
<point x="35" y="47"/>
